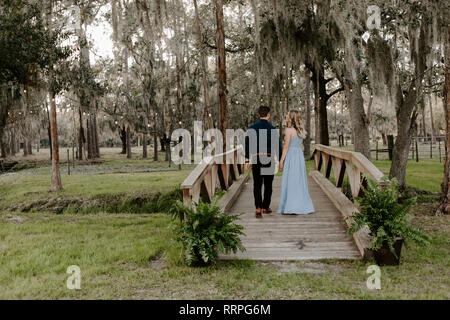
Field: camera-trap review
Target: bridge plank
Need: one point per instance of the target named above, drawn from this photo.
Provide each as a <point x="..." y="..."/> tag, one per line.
<point x="346" y="207"/>
<point x="292" y="255"/>
<point x="276" y="237"/>
<point x="233" y="193"/>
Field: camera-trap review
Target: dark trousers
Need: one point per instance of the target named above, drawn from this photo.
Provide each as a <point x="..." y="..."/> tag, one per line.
<point x="258" y="181"/>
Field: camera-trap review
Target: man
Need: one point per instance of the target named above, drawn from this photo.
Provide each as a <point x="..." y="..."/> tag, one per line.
<point x="261" y="145"/>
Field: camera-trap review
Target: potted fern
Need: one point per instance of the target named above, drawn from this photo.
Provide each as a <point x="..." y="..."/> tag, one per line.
<point x="388" y="221"/>
<point x="206" y="231"/>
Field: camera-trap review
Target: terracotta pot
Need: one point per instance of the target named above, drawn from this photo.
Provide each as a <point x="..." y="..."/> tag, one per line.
<point x="384" y="256"/>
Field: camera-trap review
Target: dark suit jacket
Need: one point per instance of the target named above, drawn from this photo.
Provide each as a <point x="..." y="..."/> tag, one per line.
<point x="271" y="136"/>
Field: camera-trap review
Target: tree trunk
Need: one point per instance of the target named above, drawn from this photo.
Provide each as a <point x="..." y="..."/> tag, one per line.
<point x="84" y="62"/>
<point x="12" y="144"/>
<point x="316" y="119"/>
<point x="280" y="125"/>
<point x="95" y="135"/>
<point x="90" y="149"/>
<point x="206" y="118"/>
<point x="6" y="101"/>
<point x="400" y="157"/>
<point x="445" y="195"/>
<point x="406" y="108"/>
<point x="307" y="144"/>
<point x="323" y="119"/>
<point x="56" y="177"/>
<point x="128" y="142"/>
<point x="25" y="149"/>
<point x="369" y="108"/>
<point x="7" y="143"/>
<point x="168" y="154"/>
<point x="359" y="120"/>
<point x="352" y="86"/>
<point x="433" y="131"/>
<point x="38" y="143"/>
<point x="221" y="68"/>
<point x="162" y="141"/>
<point x="2" y="146"/>
<point x="144" y="146"/>
<point x="123" y="138"/>
<point x="155" y="146"/>
<point x="49" y="138"/>
<point x="320" y="106"/>
<point x="424" y="126"/>
<point x="405" y="124"/>
<point x="93" y="147"/>
<point x="81" y="137"/>
<point x="166" y="147"/>
<point x="29" y="147"/>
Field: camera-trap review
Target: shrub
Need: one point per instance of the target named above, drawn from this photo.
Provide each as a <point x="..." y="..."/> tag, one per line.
<point x="205" y="231"/>
<point x="386" y="218"/>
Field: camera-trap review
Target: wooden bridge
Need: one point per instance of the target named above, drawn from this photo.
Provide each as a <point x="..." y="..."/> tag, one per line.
<point x="321" y="235"/>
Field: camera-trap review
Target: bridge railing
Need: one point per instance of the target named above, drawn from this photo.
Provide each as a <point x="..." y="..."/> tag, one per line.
<point x="354" y="164"/>
<point x="213" y="174"/>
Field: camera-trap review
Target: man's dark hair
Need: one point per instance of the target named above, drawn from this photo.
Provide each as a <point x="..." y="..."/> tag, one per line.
<point x="263" y="111"/>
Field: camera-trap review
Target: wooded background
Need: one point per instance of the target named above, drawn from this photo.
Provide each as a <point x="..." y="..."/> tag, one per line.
<point x="355" y="79"/>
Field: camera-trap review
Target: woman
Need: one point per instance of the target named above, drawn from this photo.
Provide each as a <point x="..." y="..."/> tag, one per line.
<point x="294" y="197"/>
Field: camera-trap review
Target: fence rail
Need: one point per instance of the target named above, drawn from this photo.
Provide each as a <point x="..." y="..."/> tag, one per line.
<point x="422" y="148"/>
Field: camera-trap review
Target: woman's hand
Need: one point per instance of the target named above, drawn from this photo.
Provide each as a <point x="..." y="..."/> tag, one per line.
<point x="280" y="166"/>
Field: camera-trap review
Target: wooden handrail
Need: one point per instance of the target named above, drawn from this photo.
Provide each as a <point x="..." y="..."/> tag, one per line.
<point x="352" y="163"/>
<point x="201" y="169"/>
<point x="212" y="175"/>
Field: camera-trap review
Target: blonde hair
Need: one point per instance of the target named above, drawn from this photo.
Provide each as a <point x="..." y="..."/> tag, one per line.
<point x="296" y="123"/>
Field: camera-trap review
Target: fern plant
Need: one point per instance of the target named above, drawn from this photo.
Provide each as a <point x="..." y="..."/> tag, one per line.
<point x="206" y="231"/>
<point x="386" y="218"/>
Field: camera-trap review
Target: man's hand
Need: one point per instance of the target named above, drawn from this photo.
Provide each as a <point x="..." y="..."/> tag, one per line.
<point x="249" y="166"/>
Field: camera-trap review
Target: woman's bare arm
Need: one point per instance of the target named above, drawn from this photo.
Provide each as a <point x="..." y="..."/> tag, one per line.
<point x="287" y="139"/>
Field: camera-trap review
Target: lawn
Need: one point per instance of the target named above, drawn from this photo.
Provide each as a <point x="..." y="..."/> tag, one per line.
<point x="135" y="257"/>
<point x="114" y="178"/>
<point x="423" y="175"/>
<point x="19" y="188"/>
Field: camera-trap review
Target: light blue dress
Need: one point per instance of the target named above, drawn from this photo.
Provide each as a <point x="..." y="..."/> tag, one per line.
<point x="295" y="198"/>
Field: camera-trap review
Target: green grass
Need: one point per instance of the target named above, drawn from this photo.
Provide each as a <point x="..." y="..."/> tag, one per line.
<point x="424" y="175"/>
<point x="17" y="189"/>
<point x="136" y="257"/>
<point x="117" y="159"/>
